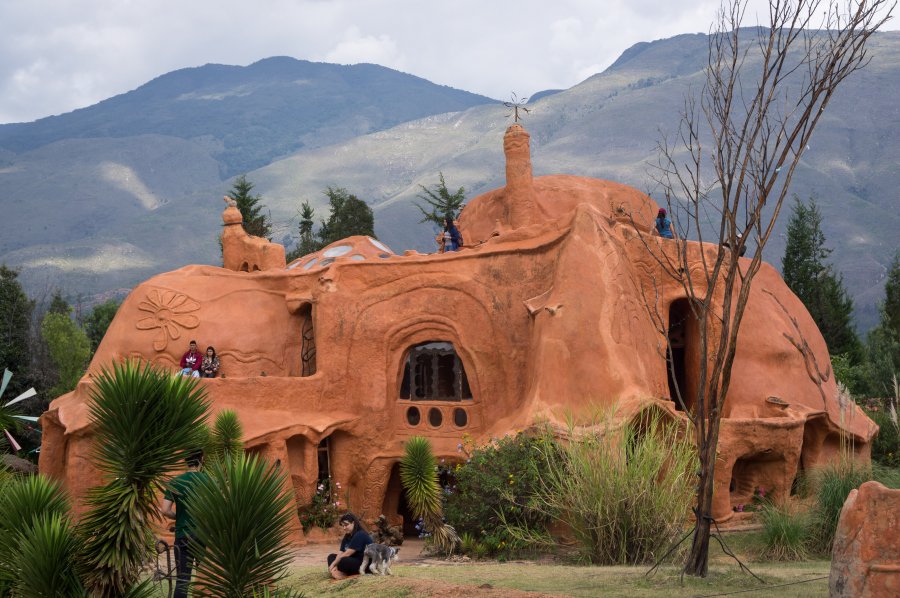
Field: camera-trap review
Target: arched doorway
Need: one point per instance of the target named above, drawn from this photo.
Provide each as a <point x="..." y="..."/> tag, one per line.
<point x="395" y="507"/>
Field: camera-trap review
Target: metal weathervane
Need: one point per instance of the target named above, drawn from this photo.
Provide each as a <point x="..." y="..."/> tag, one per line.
<point x="516" y="104"/>
<point x="25" y="395"/>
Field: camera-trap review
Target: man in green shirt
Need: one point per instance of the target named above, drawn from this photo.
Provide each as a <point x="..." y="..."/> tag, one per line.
<point x="177" y="493"/>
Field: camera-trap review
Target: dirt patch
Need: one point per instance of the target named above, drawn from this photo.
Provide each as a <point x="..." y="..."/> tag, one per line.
<point x="316" y="554"/>
<point x="431" y="587"/>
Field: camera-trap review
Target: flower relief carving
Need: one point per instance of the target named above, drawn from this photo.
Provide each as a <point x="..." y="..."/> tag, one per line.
<point x="169" y="312"/>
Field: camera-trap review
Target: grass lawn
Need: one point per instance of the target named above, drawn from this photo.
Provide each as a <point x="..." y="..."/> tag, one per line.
<point x="490" y="578"/>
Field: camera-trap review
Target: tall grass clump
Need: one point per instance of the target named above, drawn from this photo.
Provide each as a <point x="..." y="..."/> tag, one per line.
<point x="785" y="533"/>
<point x="832" y="484"/>
<point x="625" y="490"/>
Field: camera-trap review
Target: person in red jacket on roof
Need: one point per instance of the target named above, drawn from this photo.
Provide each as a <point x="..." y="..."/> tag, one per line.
<point x="190" y="361"/>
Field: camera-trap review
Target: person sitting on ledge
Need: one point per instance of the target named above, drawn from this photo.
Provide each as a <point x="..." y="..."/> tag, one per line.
<point x="348" y="561"/>
<point x="190" y="361"/>
<point x="663" y="225"/>
<point x="450" y="239"/>
<point x="210" y="366"/>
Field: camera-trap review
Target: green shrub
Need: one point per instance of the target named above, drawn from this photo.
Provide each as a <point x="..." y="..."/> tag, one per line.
<point x="785" y="533"/>
<point x="496" y="488"/>
<point x="324" y="508"/>
<point x="625" y="492"/>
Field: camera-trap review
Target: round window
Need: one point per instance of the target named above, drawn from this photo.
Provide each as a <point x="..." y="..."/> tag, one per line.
<point x="413" y="416"/>
<point x="460" y="417"/>
<point x="337" y="251"/>
<point x="435" y="417"/>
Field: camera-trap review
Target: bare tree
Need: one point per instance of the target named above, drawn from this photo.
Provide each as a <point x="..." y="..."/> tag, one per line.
<point x="727" y="171"/>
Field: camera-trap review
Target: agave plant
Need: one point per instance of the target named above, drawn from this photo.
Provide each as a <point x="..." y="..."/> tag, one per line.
<point x="242" y="519"/>
<point x="145" y="422"/>
<point x="418" y="474"/>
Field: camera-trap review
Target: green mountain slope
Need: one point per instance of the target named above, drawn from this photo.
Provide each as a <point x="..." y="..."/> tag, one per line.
<point x="254" y="113"/>
<point x="95" y="214"/>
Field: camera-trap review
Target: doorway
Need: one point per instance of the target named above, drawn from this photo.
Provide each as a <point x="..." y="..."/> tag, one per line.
<point x="682" y="359"/>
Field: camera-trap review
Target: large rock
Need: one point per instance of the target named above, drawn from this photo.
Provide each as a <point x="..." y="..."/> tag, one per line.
<point x="865" y="560"/>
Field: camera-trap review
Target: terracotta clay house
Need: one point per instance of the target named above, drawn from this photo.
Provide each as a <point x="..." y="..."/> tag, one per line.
<point x="334" y="360"/>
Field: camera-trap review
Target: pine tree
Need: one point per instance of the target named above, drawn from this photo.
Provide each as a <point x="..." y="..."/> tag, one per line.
<point x="256" y="223"/>
<point x="15" y="316"/>
<point x="814" y="282"/>
<point x="349" y="216"/>
<point x="441" y="202"/>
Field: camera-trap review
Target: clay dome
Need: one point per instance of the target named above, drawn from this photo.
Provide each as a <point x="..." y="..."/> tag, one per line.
<point x="357" y="248"/>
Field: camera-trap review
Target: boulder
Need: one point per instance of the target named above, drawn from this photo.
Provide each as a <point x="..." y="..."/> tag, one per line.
<point x="865" y="560"/>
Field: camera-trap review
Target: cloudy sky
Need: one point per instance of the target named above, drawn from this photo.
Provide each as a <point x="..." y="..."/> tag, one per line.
<point x="59" y="55"/>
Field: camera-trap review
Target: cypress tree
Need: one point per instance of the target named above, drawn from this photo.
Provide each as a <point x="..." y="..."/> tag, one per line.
<point x="307" y="243"/>
<point x="883" y="342"/>
<point x="256" y="223"/>
<point x="890" y="311"/>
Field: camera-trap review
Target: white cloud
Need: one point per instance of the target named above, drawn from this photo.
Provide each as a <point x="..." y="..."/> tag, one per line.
<point x="57" y="56"/>
<point x="356" y="47"/>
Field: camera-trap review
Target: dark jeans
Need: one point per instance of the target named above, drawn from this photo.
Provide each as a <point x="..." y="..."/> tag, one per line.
<point x="185" y="554"/>
<point x="349" y="565"/>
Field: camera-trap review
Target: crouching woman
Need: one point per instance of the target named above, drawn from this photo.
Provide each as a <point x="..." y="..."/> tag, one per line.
<point x="348" y="561"/>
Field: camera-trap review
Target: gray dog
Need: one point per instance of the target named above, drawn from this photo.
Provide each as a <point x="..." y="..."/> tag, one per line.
<point x="378" y="558"/>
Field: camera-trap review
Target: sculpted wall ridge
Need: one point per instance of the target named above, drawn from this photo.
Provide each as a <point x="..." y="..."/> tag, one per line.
<point x="334" y="360"/>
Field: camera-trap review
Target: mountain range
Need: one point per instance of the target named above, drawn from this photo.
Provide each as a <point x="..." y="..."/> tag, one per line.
<point x="103" y="197"/>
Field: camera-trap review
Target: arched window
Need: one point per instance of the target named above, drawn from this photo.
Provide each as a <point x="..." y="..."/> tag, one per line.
<point x="433" y="371"/>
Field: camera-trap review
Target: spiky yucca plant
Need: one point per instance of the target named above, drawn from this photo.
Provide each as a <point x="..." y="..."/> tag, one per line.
<point x="23" y="500"/>
<point x="145" y="422"/>
<point x="45" y="561"/>
<point x="418" y="474"/>
<point x="225" y="438"/>
<point x="242" y="517"/>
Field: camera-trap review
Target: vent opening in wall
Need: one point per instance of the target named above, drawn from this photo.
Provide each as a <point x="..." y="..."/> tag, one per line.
<point x="413" y="417"/>
<point x="460" y="417"/>
<point x="435" y="417"/>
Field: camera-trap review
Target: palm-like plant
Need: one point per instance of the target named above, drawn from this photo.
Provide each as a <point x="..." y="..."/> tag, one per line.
<point x="242" y="517"/>
<point x="225" y="439"/>
<point x="145" y="422"/>
<point x="45" y="561"/>
<point x="22" y="502"/>
<point x="418" y="474"/>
